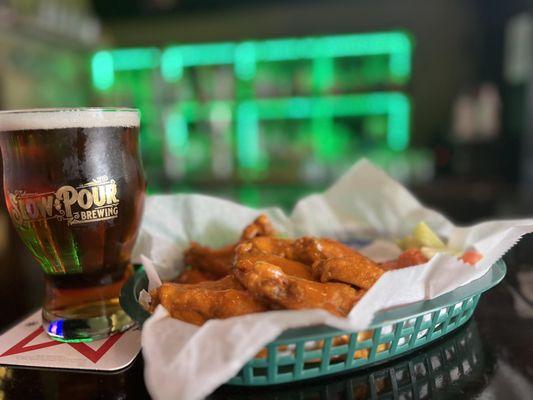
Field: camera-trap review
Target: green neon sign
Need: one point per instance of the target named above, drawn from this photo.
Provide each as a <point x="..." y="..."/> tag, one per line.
<point x="245" y="111"/>
<point x="394" y="105"/>
<point x="172" y="60"/>
<point x="105" y="63"/>
<point x="103" y="70"/>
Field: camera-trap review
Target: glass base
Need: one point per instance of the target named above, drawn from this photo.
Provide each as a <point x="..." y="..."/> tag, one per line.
<point x="86" y="323"/>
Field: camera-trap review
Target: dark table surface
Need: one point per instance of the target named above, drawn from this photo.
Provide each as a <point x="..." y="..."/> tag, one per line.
<point x="491" y="357"/>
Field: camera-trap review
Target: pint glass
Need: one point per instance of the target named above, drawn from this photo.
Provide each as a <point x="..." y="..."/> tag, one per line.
<point x="74" y="188"/>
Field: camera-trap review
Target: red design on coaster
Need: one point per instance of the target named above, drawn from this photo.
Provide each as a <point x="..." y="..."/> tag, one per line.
<point x="27" y="344"/>
<point x="95" y="355"/>
<point x="82" y="348"/>
<point x="21" y="347"/>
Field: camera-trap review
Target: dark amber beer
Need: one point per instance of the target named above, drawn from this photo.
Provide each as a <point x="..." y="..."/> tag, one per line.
<point x="74" y="188"/>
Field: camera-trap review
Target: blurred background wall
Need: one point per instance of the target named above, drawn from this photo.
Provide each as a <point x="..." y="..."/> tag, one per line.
<point x="266" y="101"/>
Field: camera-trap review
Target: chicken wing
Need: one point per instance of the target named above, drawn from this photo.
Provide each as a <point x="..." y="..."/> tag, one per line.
<point x="408" y="258"/>
<point x="218" y="261"/>
<point x="276" y="246"/>
<point x="247" y="255"/>
<point x="310" y="250"/>
<point x="214" y="261"/>
<point x="193" y="275"/>
<point x="260" y="227"/>
<point x="228" y="282"/>
<point x="268" y="281"/>
<point x="334" y="261"/>
<point x="197" y="303"/>
<point x="356" y="270"/>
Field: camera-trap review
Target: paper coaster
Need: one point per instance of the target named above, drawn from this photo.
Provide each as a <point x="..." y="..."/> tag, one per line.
<point x="26" y="344"/>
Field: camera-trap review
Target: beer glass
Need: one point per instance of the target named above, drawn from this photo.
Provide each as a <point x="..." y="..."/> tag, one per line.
<point x="74" y="188"/>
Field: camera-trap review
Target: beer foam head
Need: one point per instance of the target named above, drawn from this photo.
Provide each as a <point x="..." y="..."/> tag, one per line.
<point x="20" y="120"/>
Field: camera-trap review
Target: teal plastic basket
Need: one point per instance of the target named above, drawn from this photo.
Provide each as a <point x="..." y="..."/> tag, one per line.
<point x="313" y="352"/>
<point x="448" y="369"/>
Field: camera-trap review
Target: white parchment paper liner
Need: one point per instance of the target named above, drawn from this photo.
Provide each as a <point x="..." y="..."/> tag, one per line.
<point x="188" y="362"/>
